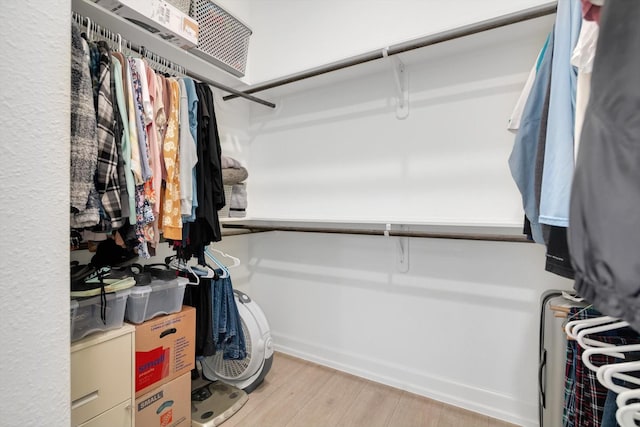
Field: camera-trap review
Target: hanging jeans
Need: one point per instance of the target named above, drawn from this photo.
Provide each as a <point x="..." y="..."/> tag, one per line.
<point x="227" y="325"/>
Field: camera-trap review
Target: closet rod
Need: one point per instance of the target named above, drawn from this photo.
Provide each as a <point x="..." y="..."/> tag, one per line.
<point x="253" y="228"/>
<point x="196" y="67"/>
<point x="466" y="30"/>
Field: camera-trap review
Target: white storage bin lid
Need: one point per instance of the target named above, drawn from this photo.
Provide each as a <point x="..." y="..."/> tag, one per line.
<point x="161" y="285"/>
<point x="139" y="291"/>
<point x="123" y="294"/>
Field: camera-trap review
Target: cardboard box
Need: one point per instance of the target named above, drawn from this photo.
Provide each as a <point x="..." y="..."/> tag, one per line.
<point x="157" y="17"/>
<point x="165" y="349"/>
<point x="166" y="406"/>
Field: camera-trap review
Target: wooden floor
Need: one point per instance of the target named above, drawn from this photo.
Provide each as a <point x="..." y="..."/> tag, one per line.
<point x="297" y="393"/>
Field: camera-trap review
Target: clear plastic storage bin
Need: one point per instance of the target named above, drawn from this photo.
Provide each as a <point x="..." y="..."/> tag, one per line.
<point x="159" y="297"/>
<point x="86" y="315"/>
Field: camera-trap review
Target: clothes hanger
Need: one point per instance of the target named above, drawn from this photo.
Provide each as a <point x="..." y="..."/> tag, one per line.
<point x="615" y="351"/>
<point x="573" y="328"/>
<point x="607" y="373"/>
<point x="225" y="272"/>
<point x="204" y="271"/>
<point x="174" y="262"/>
<point x="625" y="407"/>
<point x="236" y="261"/>
<point x="597" y="329"/>
<point x="627" y="415"/>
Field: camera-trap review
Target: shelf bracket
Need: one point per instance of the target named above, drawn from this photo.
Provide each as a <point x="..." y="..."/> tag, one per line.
<point x="401" y="81"/>
<point x="402" y="252"/>
<point x="402" y="248"/>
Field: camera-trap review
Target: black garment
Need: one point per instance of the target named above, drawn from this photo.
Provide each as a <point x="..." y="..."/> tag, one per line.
<point x="558" y="259"/>
<point x="206" y="228"/>
<point x="209" y="152"/>
<point x="200" y="298"/>
<point x="604" y="226"/>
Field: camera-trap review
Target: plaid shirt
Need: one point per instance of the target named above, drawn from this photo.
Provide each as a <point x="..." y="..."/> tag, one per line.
<point x="107" y="179"/>
<point x="585" y="397"/>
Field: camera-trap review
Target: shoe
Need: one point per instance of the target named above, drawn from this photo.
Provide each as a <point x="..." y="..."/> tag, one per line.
<point x="100" y="280"/>
<point x="161" y="271"/>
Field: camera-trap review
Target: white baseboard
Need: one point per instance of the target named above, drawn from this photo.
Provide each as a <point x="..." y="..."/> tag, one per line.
<point x="423" y="383"/>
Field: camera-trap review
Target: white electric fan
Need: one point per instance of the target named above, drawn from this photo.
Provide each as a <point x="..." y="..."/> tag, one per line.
<point x="248" y="373"/>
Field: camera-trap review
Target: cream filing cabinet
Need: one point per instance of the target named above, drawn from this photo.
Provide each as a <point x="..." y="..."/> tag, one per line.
<point x="102" y="372"/>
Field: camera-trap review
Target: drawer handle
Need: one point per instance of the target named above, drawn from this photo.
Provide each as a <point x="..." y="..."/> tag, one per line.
<point x="84" y="400"/>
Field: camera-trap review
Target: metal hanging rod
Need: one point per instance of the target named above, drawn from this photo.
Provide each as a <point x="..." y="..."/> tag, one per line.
<point x="494" y="234"/>
<point x="120" y="44"/>
<point x="195" y="67"/>
<point x="447" y="35"/>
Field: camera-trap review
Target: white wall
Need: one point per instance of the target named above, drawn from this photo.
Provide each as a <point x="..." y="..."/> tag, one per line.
<point x="34" y="208"/>
<point x="335" y="150"/>
<point x="460" y="326"/>
<point x="294" y="35"/>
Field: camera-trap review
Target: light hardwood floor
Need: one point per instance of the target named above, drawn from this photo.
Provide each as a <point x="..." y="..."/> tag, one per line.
<point x="297" y="393"/>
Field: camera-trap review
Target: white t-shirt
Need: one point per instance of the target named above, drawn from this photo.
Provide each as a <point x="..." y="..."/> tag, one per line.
<point x="582" y="58"/>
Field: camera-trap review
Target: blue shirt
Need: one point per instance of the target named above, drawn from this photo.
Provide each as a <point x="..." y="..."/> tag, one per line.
<point x="522" y="161"/>
<point x="559" y="154"/>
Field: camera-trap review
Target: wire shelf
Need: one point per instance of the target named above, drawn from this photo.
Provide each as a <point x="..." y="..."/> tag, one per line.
<point x="222" y="37"/>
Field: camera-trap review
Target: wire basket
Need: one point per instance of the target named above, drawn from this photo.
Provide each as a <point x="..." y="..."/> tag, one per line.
<point x="183" y="5"/>
<point x="222" y="39"/>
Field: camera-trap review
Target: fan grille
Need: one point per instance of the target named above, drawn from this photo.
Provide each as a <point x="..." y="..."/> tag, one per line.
<point x="234" y="369"/>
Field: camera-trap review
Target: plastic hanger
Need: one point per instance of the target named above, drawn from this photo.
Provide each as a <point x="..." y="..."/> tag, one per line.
<point x="627" y="412"/>
<point x="225" y="272"/>
<point x="616" y="351"/>
<point x="597" y="329"/>
<point x="574" y="327"/>
<point x="175" y="263"/>
<point x="627" y="415"/>
<point x="607" y="373"/>
<point x="236" y="261"/>
<point x="203" y="271"/>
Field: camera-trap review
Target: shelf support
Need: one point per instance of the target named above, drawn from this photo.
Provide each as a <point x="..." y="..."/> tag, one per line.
<point x="401" y="80"/>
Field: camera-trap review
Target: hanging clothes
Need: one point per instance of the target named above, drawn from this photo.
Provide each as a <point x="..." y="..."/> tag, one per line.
<point x="84" y="144"/>
<point x="525" y="160"/>
<point x="188" y="155"/>
<point x="200" y="298"/>
<point x="582" y="58"/>
<point x="129" y="193"/>
<point x="558" y="160"/>
<point x="137" y="137"/>
<point x="107" y="177"/>
<point x="171" y="218"/>
<point x="604" y="233"/>
<point x="118" y="135"/>
<point x="227" y="326"/>
<point x="192" y="101"/>
<point x="542" y="159"/>
<point x="154" y="186"/>
<point x="206" y="228"/>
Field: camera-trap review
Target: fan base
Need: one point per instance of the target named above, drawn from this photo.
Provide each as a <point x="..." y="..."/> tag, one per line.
<point x="215" y="402"/>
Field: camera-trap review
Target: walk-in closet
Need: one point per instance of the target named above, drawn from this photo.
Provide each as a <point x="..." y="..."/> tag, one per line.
<point x="416" y="213"/>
